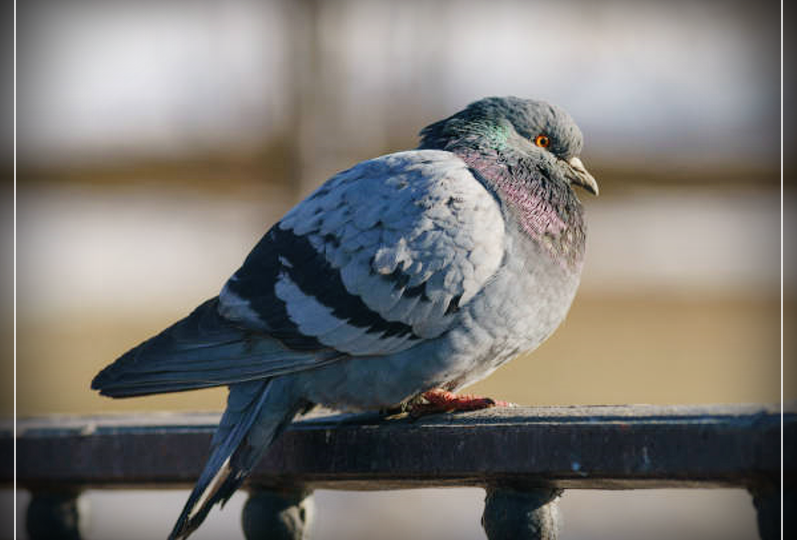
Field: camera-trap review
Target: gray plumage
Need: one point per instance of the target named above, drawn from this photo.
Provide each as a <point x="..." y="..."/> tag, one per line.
<point x="412" y="271"/>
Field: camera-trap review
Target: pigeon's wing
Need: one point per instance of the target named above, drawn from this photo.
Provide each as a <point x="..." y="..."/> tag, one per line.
<point x="202" y="350"/>
<point x="379" y="258"/>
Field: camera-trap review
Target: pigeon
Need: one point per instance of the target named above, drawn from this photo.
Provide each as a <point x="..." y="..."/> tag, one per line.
<point x="397" y="282"/>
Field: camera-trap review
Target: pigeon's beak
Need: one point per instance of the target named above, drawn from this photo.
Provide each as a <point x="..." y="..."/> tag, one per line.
<point x="581" y="177"/>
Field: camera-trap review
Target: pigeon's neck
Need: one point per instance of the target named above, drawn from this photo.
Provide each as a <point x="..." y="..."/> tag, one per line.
<point x="550" y="215"/>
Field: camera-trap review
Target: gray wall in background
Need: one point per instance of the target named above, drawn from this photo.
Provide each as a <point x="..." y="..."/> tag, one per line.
<point x="645" y="80"/>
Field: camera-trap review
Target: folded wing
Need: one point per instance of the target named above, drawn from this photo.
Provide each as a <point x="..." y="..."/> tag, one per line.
<point x="381" y="257"/>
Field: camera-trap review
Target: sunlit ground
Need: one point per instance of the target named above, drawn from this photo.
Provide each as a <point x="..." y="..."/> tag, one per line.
<point x="636" y="350"/>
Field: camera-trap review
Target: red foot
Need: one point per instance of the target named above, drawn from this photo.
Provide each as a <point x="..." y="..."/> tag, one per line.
<point x="439" y="400"/>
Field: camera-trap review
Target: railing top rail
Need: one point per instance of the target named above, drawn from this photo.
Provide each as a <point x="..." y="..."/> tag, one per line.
<point x="602" y="447"/>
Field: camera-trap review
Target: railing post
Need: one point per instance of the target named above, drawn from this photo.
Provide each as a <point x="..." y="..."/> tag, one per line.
<point x="767" y="504"/>
<point x="277" y="515"/>
<point x="531" y="514"/>
<point x="56" y="515"/>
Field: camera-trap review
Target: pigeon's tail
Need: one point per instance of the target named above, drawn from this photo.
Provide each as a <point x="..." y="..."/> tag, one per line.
<point x="256" y="413"/>
<point x="200" y="351"/>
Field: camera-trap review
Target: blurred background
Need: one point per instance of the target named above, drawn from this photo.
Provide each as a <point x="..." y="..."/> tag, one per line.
<point x="157" y="141"/>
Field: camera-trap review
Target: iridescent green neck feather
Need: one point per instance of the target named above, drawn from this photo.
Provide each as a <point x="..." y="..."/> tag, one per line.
<point x="494" y="137"/>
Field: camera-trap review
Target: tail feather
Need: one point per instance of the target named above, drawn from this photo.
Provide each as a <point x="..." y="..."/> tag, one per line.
<point x="256" y="413"/>
<point x="204" y="350"/>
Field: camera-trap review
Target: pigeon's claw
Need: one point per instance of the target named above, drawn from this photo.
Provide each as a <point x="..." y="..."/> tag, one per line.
<point x="439" y="400"/>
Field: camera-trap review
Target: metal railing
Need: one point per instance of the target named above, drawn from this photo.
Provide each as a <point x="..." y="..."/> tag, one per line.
<point x="523" y="457"/>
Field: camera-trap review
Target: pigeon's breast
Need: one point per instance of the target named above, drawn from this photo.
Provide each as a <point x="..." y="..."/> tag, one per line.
<point x="520" y="308"/>
<point x="523" y="303"/>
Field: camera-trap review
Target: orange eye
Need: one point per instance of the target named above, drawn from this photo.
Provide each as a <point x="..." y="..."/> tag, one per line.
<point x="542" y="141"/>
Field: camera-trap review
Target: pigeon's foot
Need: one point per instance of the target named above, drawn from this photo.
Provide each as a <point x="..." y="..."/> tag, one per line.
<point x="439" y="400"/>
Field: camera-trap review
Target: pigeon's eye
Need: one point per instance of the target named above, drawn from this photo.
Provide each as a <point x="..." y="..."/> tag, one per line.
<point x="543" y="141"/>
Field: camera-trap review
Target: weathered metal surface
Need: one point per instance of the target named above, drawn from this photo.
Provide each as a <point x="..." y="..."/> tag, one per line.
<point x="554" y="447"/>
<point x="271" y="515"/>
<point x="531" y="515"/>
<point x="54" y="515"/>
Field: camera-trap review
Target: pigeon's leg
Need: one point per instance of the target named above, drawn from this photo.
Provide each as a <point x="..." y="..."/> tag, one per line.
<point x="439" y="400"/>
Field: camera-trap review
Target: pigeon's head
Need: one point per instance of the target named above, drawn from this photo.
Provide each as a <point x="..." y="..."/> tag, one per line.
<point x="520" y="130"/>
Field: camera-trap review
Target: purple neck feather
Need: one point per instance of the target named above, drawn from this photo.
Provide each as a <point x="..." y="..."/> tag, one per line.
<point x="550" y="215"/>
